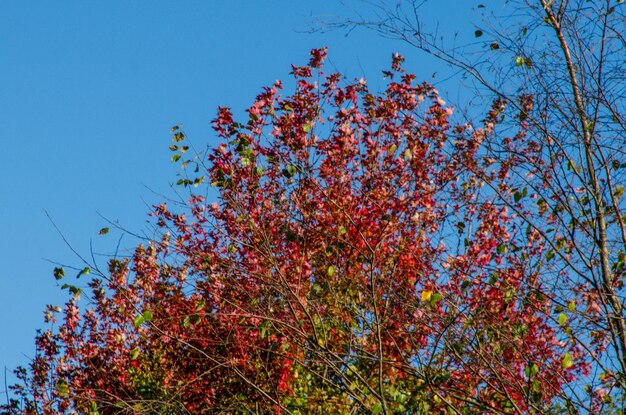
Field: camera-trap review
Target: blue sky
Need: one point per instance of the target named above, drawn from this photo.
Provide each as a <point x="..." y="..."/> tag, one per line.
<point x="88" y="92"/>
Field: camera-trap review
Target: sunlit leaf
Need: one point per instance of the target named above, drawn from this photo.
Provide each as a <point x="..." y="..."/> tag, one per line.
<point x="62" y="388"/>
<point x="567" y="361"/>
<point x="84" y="271"/>
<point x="58" y="273"/>
<point x="139" y="320"/>
<point x="331" y="271"/>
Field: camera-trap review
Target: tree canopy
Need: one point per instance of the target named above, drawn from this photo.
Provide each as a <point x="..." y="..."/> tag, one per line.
<point x="358" y="258"/>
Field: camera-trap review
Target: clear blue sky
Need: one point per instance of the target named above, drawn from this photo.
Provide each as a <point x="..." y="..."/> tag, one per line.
<point x="88" y="92"/>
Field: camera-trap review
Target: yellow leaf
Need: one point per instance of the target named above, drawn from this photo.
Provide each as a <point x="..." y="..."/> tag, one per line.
<point x="426" y="295"/>
<point x="567" y="361"/>
<point x="331" y="271"/>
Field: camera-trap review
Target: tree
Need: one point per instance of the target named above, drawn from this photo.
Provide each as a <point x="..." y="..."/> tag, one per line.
<point x="557" y="67"/>
<point x="350" y="264"/>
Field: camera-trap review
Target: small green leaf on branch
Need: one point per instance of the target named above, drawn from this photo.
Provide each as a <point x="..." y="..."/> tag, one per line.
<point x="531" y="370"/>
<point x="58" y="273"/>
<point x="567" y="361"/>
<point x="84" y="271"/>
<point x="62" y="388"/>
<point x="139" y="320"/>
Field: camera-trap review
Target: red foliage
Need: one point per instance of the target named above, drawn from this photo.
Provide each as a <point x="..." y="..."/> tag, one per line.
<point x="349" y="258"/>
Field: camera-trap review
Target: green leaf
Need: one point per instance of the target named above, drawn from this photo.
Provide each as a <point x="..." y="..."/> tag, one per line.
<point x="307" y="127"/>
<point x="571" y="307"/>
<point x="331" y="271"/>
<point x="342" y="230"/>
<point x="103" y="231"/>
<point x="58" y="273"/>
<point x="317" y="288"/>
<point x="84" y="271"/>
<point x="562" y="319"/>
<point x="478" y="33"/>
<point x="147" y="315"/>
<point x="197" y="181"/>
<point x="519" y="194"/>
<point x="73" y="289"/>
<point x="567" y="361"/>
<point x="531" y="370"/>
<point x="62" y="388"/>
<point x="501" y="249"/>
<point x="186" y="321"/>
<point x="290" y="171"/>
<point x="528" y="62"/>
<point x="619" y="191"/>
<point x="378" y="408"/>
<point x="134" y="354"/>
<point x="176" y="157"/>
<point x="139" y="319"/>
